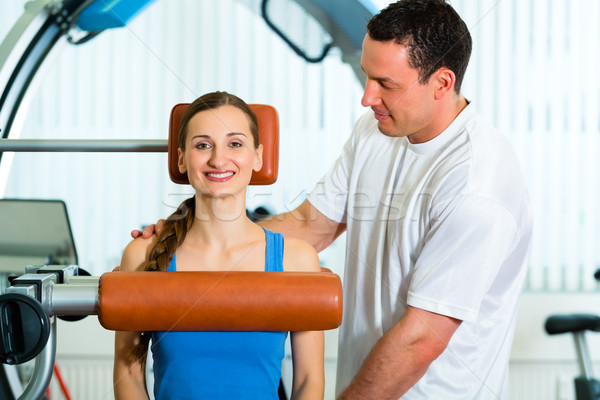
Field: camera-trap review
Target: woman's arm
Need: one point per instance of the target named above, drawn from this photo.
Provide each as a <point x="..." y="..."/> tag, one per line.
<point x="128" y="375"/>
<point x="307" y="360"/>
<point x="307" y="347"/>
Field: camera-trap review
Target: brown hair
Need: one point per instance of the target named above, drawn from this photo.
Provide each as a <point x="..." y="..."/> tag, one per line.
<point x="177" y="224"/>
<point x="211" y="101"/>
<point x="433" y="32"/>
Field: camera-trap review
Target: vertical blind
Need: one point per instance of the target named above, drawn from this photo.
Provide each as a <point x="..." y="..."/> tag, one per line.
<point x="533" y="73"/>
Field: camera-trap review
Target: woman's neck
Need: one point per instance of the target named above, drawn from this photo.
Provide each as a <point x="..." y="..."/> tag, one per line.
<point x="228" y="208"/>
<point x="220" y="222"/>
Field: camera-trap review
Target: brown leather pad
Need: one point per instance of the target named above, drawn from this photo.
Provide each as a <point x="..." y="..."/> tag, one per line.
<point x="220" y="301"/>
<point x="268" y="133"/>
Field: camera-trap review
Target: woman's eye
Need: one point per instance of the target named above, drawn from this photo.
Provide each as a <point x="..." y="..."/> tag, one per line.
<point x="202" y="146"/>
<point x="236" y="144"/>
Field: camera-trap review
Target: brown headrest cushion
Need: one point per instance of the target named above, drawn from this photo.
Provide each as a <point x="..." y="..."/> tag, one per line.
<point x="268" y="133"/>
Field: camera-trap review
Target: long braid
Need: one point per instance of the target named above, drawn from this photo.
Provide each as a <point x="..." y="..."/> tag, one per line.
<point x="171" y="236"/>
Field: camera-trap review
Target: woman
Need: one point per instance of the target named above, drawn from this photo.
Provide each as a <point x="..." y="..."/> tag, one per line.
<point x="218" y="149"/>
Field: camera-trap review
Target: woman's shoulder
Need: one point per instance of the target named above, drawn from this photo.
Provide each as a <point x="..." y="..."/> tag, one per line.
<point x="136" y="253"/>
<point x="300" y="256"/>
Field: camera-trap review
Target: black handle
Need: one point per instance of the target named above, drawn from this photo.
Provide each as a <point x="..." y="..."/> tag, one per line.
<point x="24" y="328"/>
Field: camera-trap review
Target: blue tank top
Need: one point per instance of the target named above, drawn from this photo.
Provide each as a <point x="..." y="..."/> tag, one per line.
<point x="221" y="365"/>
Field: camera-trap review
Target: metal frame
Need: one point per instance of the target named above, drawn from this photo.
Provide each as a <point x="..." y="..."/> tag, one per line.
<point x="66" y="145"/>
<point x="60" y="291"/>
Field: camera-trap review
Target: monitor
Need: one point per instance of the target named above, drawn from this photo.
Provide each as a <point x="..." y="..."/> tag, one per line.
<point x="34" y="232"/>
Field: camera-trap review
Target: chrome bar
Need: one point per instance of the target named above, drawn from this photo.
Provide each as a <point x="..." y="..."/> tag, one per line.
<point x="43" y="368"/>
<point x="74" y="299"/>
<point x="92" y="145"/>
<point x="82" y="280"/>
<point x="585" y="362"/>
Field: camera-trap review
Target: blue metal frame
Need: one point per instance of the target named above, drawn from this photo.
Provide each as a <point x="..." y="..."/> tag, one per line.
<point x="351" y="16"/>
<point x="107" y="14"/>
<point x="348" y="16"/>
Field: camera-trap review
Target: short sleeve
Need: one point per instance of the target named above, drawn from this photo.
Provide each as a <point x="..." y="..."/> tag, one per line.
<point x="462" y="254"/>
<point x="330" y="194"/>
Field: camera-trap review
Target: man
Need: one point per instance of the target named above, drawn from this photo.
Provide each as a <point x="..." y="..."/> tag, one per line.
<point x="437" y="218"/>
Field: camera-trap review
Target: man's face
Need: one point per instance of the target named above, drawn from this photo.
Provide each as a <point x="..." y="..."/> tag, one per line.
<point x="402" y="105"/>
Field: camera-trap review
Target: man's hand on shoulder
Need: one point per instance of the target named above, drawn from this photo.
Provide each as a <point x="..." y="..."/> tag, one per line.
<point x="149" y="230"/>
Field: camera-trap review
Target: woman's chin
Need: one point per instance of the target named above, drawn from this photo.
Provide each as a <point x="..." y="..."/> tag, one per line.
<point x="220" y="194"/>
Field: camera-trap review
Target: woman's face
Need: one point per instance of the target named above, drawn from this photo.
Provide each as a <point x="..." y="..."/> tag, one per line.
<point x="220" y="152"/>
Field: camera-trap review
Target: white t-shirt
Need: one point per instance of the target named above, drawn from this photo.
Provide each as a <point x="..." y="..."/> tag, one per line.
<point x="444" y="226"/>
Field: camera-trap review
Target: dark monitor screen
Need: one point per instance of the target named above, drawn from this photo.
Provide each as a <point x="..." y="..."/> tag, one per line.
<point x="34" y="232"/>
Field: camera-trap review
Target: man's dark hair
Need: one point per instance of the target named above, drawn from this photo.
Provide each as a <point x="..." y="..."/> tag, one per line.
<point x="433" y="32"/>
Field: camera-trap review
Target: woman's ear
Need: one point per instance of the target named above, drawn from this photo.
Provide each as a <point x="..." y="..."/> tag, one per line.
<point x="259" y="158"/>
<point x="181" y="162"/>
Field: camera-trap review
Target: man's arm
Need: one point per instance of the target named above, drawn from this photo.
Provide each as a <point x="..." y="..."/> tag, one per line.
<point x="306" y="223"/>
<point x="401" y="357"/>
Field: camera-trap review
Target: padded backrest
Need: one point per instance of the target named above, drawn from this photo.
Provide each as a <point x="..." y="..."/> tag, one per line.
<point x="268" y="133"/>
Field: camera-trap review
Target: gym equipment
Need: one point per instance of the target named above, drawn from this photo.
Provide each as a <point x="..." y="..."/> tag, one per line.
<point x="35" y="232"/>
<point x="285" y="301"/>
<point x="587" y="387"/>
<point x="220" y="301"/>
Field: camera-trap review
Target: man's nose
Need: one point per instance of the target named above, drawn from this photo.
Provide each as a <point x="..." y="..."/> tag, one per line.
<point x="370" y="95"/>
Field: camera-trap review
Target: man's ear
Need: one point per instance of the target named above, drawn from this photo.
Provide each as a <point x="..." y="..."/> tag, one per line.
<point x="259" y="158"/>
<point x="181" y="162"/>
<point x="444" y="80"/>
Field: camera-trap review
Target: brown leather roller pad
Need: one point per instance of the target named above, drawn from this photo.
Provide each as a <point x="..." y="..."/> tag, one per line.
<point x="220" y="301"/>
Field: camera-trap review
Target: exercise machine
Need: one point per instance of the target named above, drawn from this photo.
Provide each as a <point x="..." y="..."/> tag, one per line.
<point x="221" y="301"/>
<point x="35" y="232"/>
<point x="587" y="387"/>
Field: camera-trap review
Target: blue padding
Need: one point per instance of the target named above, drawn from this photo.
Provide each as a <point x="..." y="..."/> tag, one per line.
<point x="106" y="14"/>
<point x="350" y="15"/>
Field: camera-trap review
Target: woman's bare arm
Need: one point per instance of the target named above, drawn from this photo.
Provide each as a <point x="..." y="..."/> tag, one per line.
<point x="128" y="375"/>
<point x="307" y="347"/>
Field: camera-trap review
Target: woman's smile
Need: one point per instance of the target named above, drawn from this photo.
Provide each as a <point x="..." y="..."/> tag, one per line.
<point x="219" y="176"/>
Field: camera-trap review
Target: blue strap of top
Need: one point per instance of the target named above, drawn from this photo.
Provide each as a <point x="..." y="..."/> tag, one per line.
<point x="274" y="253"/>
